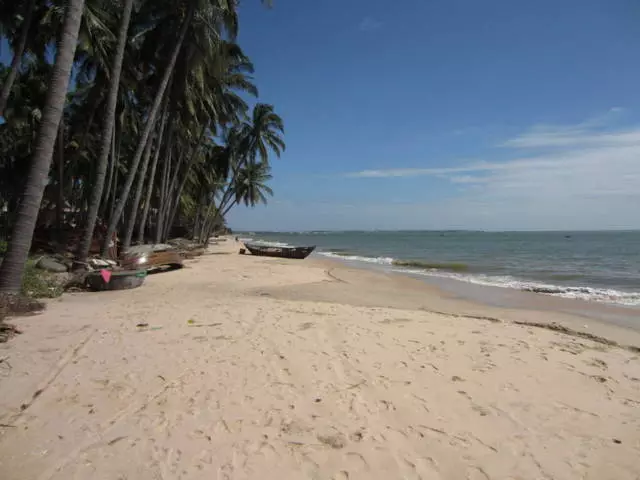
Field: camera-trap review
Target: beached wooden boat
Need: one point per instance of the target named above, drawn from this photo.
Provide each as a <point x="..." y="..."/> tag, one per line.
<point x="192" y="253"/>
<point x="120" y="280"/>
<point x="153" y="261"/>
<point x="280" y="252"/>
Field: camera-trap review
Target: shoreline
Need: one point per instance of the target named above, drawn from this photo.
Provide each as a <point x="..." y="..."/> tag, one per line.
<point x="520" y="262"/>
<point x="401" y="291"/>
<point x="263" y="368"/>
<point x="505" y="298"/>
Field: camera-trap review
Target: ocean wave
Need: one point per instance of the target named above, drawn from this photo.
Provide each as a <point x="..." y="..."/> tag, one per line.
<point x="451" y="266"/>
<point x="593" y="294"/>
<point x="455" y="271"/>
<point x="347" y="255"/>
<point x="358" y="258"/>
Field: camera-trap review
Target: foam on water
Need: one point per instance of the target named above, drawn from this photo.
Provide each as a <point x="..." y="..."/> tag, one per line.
<point x="358" y="258"/>
<point x="574" y="292"/>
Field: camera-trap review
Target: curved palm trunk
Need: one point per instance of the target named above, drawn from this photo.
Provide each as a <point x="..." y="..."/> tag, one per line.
<point x="60" y="200"/>
<point x="116" y="170"/>
<point x="154" y="165"/>
<point x="164" y="175"/>
<point x="112" y="165"/>
<point x="176" y="202"/>
<point x="169" y="198"/>
<point x="17" y="57"/>
<point x="198" y="220"/>
<point x="113" y="223"/>
<point x="131" y="219"/>
<point x="12" y="268"/>
<point x="110" y="117"/>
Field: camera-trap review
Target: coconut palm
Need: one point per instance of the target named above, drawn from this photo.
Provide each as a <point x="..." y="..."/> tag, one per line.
<point x="251" y="185"/>
<point x="218" y="14"/>
<point x="262" y="134"/>
<point x="225" y="71"/>
<point x="253" y="139"/>
<point x="12" y="268"/>
<point x="143" y="122"/>
<point x="27" y="16"/>
<point x="107" y="132"/>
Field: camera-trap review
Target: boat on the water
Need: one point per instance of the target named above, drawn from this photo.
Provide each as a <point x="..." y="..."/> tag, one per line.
<point x="115" y="280"/>
<point x="280" y="252"/>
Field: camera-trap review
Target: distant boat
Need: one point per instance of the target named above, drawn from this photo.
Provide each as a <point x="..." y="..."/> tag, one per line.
<point x="280" y="252"/>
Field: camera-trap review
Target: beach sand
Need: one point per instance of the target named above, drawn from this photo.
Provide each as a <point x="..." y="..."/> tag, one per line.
<point x="258" y="368"/>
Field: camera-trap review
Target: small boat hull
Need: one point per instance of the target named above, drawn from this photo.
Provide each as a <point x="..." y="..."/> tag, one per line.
<point x="192" y="253"/>
<point x="298" y="253"/>
<point x="120" y="280"/>
<point x="154" y="261"/>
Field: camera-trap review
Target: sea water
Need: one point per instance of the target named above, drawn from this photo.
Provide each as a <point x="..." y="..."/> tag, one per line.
<point x="594" y="266"/>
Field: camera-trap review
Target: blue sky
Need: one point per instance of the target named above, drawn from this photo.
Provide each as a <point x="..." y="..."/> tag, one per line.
<point x="497" y="114"/>
<point x="438" y="114"/>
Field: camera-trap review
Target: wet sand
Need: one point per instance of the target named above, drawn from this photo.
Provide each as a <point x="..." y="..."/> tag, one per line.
<point x="257" y="368"/>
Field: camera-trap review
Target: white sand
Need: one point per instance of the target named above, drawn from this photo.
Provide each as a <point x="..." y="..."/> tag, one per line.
<point x="269" y="383"/>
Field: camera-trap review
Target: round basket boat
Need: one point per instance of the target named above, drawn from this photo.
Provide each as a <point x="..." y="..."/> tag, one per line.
<point x="120" y="280"/>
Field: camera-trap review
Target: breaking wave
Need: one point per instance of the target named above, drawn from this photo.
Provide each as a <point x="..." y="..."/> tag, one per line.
<point x="460" y="271"/>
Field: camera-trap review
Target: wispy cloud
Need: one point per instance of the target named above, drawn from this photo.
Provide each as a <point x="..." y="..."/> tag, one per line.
<point x="589" y="172"/>
<point x="581" y="176"/>
<point x="369" y="24"/>
<point x="594" y="131"/>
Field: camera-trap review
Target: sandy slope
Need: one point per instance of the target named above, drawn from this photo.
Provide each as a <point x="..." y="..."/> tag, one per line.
<point x="270" y="382"/>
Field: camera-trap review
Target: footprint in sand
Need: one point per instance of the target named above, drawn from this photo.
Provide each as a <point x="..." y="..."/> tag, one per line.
<point x="341" y="475"/>
<point x="335" y="441"/>
<point x="596" y="362"/>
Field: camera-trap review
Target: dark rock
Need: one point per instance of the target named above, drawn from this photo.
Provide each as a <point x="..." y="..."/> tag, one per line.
<point x="50" y="265"/>
<point x="62" y="280"/>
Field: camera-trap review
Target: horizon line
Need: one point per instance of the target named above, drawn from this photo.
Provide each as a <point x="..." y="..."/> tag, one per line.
<point x="377" y="230"/>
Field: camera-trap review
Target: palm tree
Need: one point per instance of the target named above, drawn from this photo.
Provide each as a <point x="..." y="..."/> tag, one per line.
<point x="17" y="55"/>
<point x="127" y="66"/>
<point x="251" y="185"/>
<point x="133" y="213"/>
<point x="107" y="133"/>
<point x="252" y="139"/>
<point x="151" y="180"/>
<point x="225" y="70"/>
<point x="12" y="268"/>
<point x="262" y="134"/>
<point x="150" y="122"/>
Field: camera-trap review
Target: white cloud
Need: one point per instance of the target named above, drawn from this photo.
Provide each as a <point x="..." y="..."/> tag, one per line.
<point x="584" y="176"/>
<point x="369" y="24"/>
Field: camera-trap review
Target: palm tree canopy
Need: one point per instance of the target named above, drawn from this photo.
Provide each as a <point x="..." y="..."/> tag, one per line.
<point x="251" y="184"/>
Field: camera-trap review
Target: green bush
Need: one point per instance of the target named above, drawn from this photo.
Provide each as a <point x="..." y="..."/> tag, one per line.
<point x="37" y="283"/>
<point x="40" y="284"/>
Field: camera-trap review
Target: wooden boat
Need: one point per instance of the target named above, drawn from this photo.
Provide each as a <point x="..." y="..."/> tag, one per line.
<point x="280" y="252"/>
<point x="192" y="253"/>
<point x="153" y="261"/>
<point x="120" y="280"/>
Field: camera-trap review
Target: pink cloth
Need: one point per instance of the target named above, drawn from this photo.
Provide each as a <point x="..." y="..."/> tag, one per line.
<point x="106" y="275"/>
